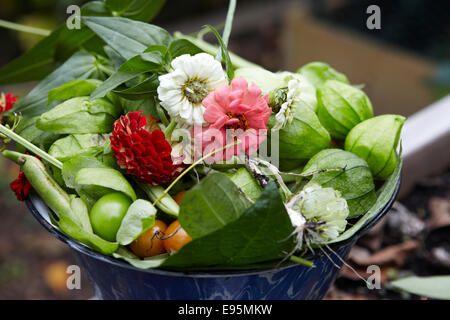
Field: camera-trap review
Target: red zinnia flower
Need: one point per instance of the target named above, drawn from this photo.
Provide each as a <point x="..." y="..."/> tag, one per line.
<point x="7" y="102"/>
<point x="21" y="186"/>
<point x="146" y="155"/>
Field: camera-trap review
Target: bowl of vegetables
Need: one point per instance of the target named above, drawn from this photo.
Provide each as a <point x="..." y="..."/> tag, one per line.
<point x="116" y="279"/>
<point x="176" y="170"/>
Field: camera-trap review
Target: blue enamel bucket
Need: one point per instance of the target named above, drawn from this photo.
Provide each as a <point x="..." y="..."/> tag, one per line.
<point x="116" y="279"/>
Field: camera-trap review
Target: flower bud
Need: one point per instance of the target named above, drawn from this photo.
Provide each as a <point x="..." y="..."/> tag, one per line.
<point x="277" y="97"/>
<point x="341" y="107"/>
<point x="375" y="140"/>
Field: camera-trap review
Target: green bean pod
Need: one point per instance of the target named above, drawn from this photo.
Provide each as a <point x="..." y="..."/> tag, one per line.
<point x="166" y="204"/>
<point x="52" y="194"/>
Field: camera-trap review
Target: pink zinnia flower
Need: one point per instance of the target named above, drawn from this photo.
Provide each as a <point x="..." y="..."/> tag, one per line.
<point x="234" y="113"/>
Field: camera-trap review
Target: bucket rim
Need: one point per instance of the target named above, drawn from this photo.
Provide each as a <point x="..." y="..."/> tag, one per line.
<point x="84" y="249"/>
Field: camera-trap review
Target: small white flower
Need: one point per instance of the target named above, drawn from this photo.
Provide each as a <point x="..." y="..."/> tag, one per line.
<point x="319" y="212"/>
<point x="298" y="89"/>
<point x="181" y="91"/>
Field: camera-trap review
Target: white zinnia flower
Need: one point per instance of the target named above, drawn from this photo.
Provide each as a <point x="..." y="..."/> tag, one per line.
<point x="299" y="89"/>
<point x="193" y="77"/>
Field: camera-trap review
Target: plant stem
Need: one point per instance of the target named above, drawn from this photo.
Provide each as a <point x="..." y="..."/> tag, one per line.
<point x="227" y="29"/>
<point x="105" y="69"/>
<point x="311" y="173"/>
<point x="168" y="131"/>
<point x="23" y="28"/>
<point x="301" y="261"/>
<point x="189" y="168"/>
<point x="229" y="22"/>
<point x="31" y="147"/>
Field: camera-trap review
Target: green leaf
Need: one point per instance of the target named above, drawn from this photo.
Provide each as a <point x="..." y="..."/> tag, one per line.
<point x="27" y="130"/>
<point x="116" y="59"/>
<point x="78" y="233"/>
<point x="35" y="64"/>
<point x="229" y="68"/>
<point x="247" y="183"/>
<point x="210" y="205"/>
<point x="78" y="144"/>
<point x="73" y="89"/>
<point x="146" y="263"/>
<point x="147" y="105"/>
<point x="179" y="47"/>
<point x="95" y="8"/>
<point x="80" y="115"/>
<point x="144" y="10"/>
<point x="384" y="195"/>
<point x="140" y="91"/>
<point x="139" y="218"/>
<point x="100" y="181"/>
<point x="80" y="210"/>
<point x="437" y="287"/>
<point x="71" y="40"/>
<point x="75" y="164"/>
<point x="319" y="72"/>
<point x="355" y="183"/>
<point x="127" y="37"/>
<point x="80" y="66"/>
<point x="118" y="5"/>
<point x="145" y="62"/>
<point x="48" y="53"/>
<point x="261" y="234"/>
<point x="375" y="140"/>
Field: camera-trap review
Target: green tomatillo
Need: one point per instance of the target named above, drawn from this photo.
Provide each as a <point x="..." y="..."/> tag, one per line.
<point x="375" y="140"/>
<point x="107" y="214"/>
<point x="340" y="107"/>
<point x="319" y="72"/>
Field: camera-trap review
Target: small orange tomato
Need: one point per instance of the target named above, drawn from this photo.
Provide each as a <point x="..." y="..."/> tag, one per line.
<point x="179" y="196"/>
<point x="175" y="237"/>
<point x="147" y="244"/>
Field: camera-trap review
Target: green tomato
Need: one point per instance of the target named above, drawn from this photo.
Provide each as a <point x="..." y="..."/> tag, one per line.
<point x="107" y="214"/>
